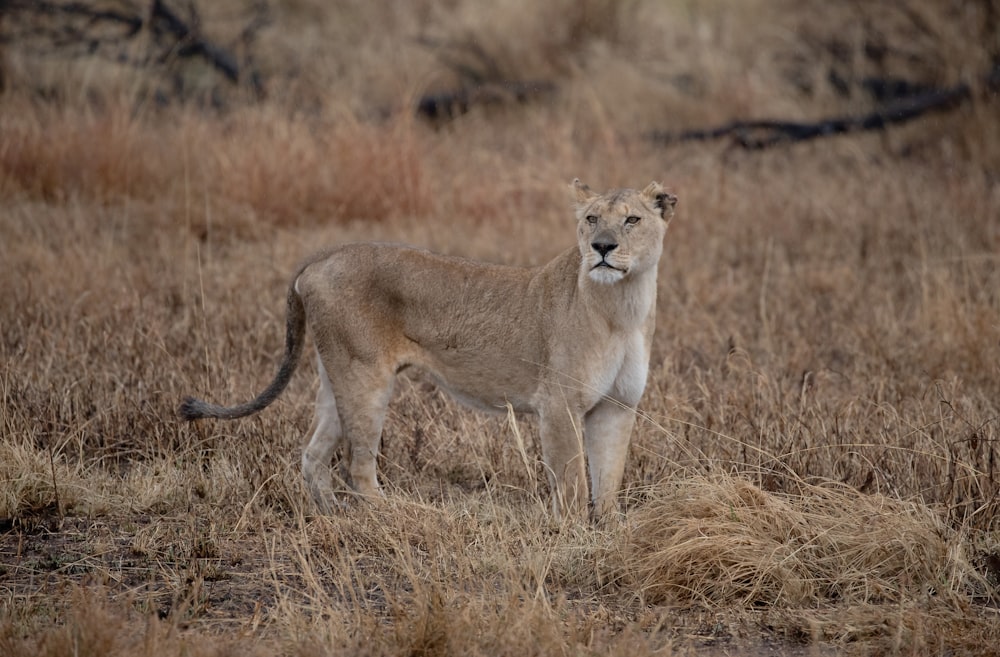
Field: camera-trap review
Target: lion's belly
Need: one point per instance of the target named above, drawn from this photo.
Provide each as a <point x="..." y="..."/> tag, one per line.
<point x="482" y="362"/>
<point x="484" y="379"/>
<point x="483" y="388"/>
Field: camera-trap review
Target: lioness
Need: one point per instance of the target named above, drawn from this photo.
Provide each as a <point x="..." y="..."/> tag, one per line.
<point x="569" y="341"/>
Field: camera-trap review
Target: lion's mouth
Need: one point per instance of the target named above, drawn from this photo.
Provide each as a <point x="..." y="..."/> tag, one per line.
<point x="605" y="264"/>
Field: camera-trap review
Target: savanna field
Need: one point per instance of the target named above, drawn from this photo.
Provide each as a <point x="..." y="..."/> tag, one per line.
<point x="814" y="469"/>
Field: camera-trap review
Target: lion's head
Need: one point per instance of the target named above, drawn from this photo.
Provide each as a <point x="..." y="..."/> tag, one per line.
<point x="620" y="233"/>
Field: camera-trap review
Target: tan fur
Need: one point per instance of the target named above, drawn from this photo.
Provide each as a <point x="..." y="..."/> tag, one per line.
<point x="568" y="341"/>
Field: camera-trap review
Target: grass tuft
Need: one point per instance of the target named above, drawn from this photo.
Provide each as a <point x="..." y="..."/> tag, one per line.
<point x="732" y="543"/>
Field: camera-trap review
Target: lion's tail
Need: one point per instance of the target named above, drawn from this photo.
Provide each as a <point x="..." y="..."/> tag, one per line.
<point x="194" y="409"/>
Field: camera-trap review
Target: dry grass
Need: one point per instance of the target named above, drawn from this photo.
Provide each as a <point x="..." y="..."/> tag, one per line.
<point x="815" y="466"/>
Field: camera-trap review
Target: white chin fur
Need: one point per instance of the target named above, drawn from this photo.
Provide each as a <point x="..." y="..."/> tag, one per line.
<point x="606" y="275"/>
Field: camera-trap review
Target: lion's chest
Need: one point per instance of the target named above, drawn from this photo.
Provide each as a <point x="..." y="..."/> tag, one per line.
<point x="622" y="375"/>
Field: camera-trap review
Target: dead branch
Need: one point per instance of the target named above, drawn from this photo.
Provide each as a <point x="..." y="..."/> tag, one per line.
<point x="190" y="43"/>
<point x="449" y="104"/>
<point x="77" y="25"/>
<point x="482" y="81"/>
<point x="764" y="133"/>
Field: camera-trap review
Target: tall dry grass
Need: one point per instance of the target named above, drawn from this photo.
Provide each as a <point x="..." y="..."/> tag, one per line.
<point x="815" y="457"/>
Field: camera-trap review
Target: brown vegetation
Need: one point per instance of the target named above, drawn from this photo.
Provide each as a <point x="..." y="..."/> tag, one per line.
<point x="815" y="467"/>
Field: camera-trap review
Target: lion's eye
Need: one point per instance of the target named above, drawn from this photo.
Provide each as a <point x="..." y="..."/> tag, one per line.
<point x="632" y="220"/>
<point x="591" y="219"/>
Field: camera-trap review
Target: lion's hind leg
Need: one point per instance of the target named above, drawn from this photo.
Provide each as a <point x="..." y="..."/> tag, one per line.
<point x="363" y="393"/>
<point x="326" y="438"/>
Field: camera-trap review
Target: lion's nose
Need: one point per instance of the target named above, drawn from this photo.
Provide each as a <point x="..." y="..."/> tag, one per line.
<point x="604" y="248"/>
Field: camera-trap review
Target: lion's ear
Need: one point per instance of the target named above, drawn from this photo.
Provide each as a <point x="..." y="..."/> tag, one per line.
<point x="582" y="192"/>
<point x="661" y="200"/>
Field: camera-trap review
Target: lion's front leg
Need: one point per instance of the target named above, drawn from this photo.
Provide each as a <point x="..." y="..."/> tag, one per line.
<point x="607" y="434"/>
<point x="562" y="451"/>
